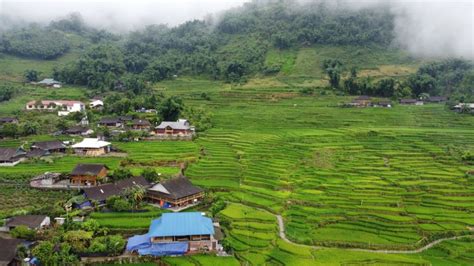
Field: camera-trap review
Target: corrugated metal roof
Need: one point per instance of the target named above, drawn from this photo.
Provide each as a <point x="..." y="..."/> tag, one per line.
<point x="181" y="224"/>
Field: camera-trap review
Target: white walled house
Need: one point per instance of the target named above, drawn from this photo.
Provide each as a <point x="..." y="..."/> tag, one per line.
<point x="64" y="107"/>
<point x="96" y="104"/>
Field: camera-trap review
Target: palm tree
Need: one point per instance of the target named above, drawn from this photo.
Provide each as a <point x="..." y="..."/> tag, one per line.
<point x="136" y="195"/>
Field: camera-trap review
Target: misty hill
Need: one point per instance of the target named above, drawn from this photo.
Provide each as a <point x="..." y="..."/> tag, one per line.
<point x="259" y="38"/>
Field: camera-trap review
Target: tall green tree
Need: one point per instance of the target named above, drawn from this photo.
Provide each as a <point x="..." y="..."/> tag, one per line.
<point x="171" y="108"/>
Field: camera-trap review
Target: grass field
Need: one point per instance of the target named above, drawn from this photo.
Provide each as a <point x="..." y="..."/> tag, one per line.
<point x="368" y="178"/>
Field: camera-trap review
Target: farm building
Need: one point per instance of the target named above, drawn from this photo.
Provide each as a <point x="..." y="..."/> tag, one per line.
<point x="64" y="107"/>
<point x="8" y="120"/>
<point x="437" y="99"/>
<point x="361" y="101"/>
<point x="96" y="104"/>
<point x="79" y="131"/>
<point x="411" y="102"/>
<point x="49" y="83"/>
<point x="464" y="107"/>
<point x="110" y="122"/>
<point x="92" y="147"/>
<point x="140" y="124"/>
<point x="180" y="127"/>
<point x="52" y="146"/>
<point x="34" y="222"/>
<point x="11" y="156"/>
<point x="175" y="193"/>
<point x="175" y="234"/>
<point x="102" y="192"/>
<point x="8" y="251"/>
<point x="89" y="174"/>
<point x="382" y="103"/>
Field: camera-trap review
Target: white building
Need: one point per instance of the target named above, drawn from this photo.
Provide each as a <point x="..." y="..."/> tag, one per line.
<point x="64" y="107"/>
<point x="96" y="104"/>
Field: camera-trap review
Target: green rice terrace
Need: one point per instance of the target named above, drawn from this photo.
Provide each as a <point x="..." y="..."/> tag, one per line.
<point x="370" y="178"/>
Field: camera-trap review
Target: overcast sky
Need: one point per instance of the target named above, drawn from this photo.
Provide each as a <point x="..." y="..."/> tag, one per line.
<point x="424" y="27"/>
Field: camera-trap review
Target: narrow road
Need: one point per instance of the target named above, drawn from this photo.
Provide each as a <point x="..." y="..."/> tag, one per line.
<point x="281" y="229"/>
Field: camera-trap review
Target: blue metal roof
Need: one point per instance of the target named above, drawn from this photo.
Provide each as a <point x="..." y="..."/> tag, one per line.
<point x="181" y="224"/>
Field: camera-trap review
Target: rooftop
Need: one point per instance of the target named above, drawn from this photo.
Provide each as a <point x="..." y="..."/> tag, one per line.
<point x="93" y="143"/>
<point x="31" y="221"/>
<point x="55" y="102"/>
<point x="49" y="82"/>
<point x="88" y="169"/>
<point x="8" y="153"/>
<point x="8" y="250"/>
<point x="176" y="188"/>
<point x="181" y="224"/>
<point x="180" y="124"/>
<point x="48" y="145"/>
<point x="102" y="192"/>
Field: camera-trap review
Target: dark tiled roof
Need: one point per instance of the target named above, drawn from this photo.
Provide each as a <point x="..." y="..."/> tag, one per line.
<point x="37" y="153"/>
<point x="140" y="122"/>
<point x="437" y="99"/>
<point x="88" y="169"/>
<point x="8" y="119"/>
<point x="179" y="187"/>
<point x="110" y="120"/>
<point x="31" y="221"/>
<point x="49" y="145"/>
<point x="7" y="154"/>
<point x="102" y="192"/>
<point x="363" y="98"/>
<point x="408" y="100"/>
<point x="8" y="250"/>
<point x="126" y="118"/>
<point x="77" y="130"/>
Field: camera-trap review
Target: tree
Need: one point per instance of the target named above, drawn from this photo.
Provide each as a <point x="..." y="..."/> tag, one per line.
<point x="31" y="75"/>
<point x="136" y="195"/>
<point x="111" y="244"/>
<point x="332" y="69"/>
<point x="150" y="174"/>
<point x="50" y="253"/>
<point x="6" y="93"/>
<point x="120" y="174"/>
<point x="78" y="240"/>
<point x="171" y="108"/>
<point x="29" y="128"/>
<point x="10" y="130"/>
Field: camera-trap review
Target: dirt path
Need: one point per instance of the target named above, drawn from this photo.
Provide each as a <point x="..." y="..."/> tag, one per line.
<point x="281" y="229"/>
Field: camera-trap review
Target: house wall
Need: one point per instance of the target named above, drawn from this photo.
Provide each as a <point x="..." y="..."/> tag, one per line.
<point x="91" y="152"/>
<point x="175" y="203"/>
<point x="173" y="131"/>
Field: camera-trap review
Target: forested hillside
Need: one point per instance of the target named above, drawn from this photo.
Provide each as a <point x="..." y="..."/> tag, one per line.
<point x="235" y="46"/>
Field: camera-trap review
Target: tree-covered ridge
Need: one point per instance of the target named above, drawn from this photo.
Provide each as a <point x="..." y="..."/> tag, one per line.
<point x="288" y="23"/>
<point x="35" y="41"/>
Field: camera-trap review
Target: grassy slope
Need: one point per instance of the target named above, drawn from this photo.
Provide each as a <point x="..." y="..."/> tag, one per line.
<point x="387" y="177"/>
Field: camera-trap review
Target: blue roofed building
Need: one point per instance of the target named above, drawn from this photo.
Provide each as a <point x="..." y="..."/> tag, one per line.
<point x="176" y="234"/>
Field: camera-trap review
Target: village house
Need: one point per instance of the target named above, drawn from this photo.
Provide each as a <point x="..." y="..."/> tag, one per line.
<point x="177" y="192"/>
<point x="49" y="83"/>
<point x="64" y="107"/>
<point x="102" y="192"/>
<point x="96" y="104"/>
<point x="34" y="222"/>
<point x="110" y="122"/>
<point x="382" y="103"/>
<point x="79" y="131"/>
<point x="140" y="124"/>
<point x="8" y="120"/>
<point x="464" y="107"/>
<point x="176" y="234"/>
<point x="361" y="101"/>
<point x="11" y="156"/>
<point x="437" y="99"/>
<point x="411" y="102"/>
<point x="180" y="127"/>
<point x="8" y="252"/>
<point x="92" y="147"/>
<point x="52" y="146"/>
<point x="89" y="174"/>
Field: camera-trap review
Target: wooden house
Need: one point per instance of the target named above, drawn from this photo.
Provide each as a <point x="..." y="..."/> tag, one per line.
<point x="361" y="101"/>
<point x="11" y="156"/>
<point x="176" y="234"/>
<point x="8" y="251"/>
<point x="411" y="102"/>
<point x="50" y="83"/>
<point x="92" y="147"/>
<point x="89" y="174"/>
<point x="110" y="122"/>
<point x="79" y="131"/>
<point x="34" y="222"/>
<point x="52" y="146"/>
<point x="180" y="127"/>
<point x="102" y="192"/>
<point x="175" y="193"/>
<point x="140" y="124"/>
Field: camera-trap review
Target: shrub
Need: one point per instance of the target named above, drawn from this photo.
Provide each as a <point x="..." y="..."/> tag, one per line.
<point x="23" y="232"/>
